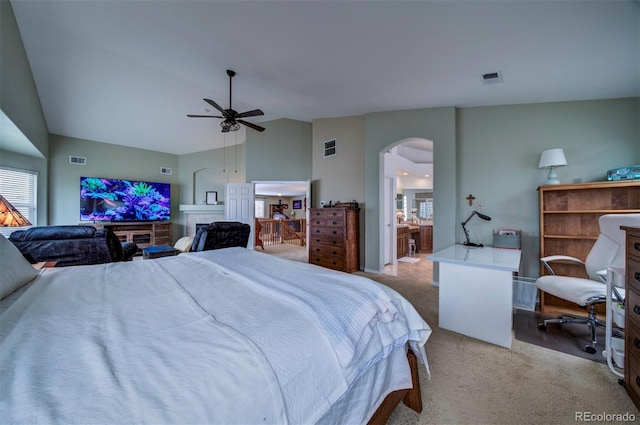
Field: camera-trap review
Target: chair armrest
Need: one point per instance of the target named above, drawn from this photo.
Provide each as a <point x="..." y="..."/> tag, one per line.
<point x="551" y="258"/>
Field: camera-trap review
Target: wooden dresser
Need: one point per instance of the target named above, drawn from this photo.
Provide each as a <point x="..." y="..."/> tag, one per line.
<point x="632" y="316"/>
<point x="334" y="238"/>
<point x="569" y="226"/>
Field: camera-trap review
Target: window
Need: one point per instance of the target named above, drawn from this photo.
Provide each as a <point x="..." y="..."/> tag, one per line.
<point x="20" y="188"/>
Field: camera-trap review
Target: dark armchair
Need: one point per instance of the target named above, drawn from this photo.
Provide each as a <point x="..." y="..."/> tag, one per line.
<point x="72" y="245"/>
<point x="221" y="234"/>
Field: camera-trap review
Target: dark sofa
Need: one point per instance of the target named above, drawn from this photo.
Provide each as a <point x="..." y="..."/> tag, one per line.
<point x="221" y="234"/>
<point x="72" y="245"/>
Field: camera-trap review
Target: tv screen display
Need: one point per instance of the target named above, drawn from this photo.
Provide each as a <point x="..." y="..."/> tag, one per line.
<point x="123" y="200"/>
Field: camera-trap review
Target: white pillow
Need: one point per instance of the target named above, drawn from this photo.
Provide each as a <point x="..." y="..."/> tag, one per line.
<point x="15" y="270"/>
<point x="184" y="244"/>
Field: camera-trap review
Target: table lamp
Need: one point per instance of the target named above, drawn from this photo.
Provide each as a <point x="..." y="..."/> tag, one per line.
<point x="10" y="216"/>
<point x="550" y="159"/>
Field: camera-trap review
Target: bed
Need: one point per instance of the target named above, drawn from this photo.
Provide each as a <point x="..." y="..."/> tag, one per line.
<point x="225" y="336"/>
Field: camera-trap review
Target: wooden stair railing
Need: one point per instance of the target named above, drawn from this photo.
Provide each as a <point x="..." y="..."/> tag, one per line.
<point x="280" y="231"/>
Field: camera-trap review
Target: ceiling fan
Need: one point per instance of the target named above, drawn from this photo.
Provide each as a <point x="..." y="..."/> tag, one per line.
<point x="232" y="119"/>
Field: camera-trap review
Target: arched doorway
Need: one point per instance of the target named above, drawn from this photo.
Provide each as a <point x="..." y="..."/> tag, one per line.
<point x="408" y="190"/>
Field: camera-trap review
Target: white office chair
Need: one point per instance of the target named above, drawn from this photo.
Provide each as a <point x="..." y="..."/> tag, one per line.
<point x="608" y="250"/>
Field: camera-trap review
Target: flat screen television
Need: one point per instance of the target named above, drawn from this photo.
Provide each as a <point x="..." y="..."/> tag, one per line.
<point x="119" y="200"/>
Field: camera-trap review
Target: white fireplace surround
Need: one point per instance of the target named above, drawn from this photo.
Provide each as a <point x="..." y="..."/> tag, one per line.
<point x="197" y="214"/>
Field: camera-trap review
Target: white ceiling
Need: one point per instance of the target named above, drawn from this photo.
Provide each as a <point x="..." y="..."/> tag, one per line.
<point x="127" y="72"/>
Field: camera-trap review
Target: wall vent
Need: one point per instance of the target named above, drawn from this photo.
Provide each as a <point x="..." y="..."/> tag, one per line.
<point x="330" y="147"/>
<point x="77" y="160"/>
<point x="165" y="170"/>
<point x="492" y="77"/>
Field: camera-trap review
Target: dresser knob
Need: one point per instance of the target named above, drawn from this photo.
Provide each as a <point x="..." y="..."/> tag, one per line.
<point x="638" y="380"/>
<point x="636" y="246"/>
<point x="636" y="342"/>
<point x="637" y="276"/>
<point x="636" y="309"/>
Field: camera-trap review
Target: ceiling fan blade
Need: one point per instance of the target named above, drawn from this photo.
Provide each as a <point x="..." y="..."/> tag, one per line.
<point x="254" y="113"/>
<point x="203" y="116"/>
<point x="251" y="125"/>
<point x="215" y="105"/>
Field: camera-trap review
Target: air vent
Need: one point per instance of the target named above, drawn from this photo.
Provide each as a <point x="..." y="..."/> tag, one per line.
<point x="492" y="77"/>
<point x="77" y="160"/>
<point x="330" y="148"/>
<point x="165" y="170"/>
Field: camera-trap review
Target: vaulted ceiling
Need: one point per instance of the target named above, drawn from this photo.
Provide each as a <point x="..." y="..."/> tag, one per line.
<point x="128" y="72"/>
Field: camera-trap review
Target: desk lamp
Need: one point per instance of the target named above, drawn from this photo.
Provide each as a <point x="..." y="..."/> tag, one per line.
<point x="10" y="216"/>
<point x="550" y="159"/>
<point x="466" y="233"/>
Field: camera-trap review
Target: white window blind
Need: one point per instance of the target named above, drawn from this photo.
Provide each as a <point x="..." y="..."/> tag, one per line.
<point x="20" y="187"/>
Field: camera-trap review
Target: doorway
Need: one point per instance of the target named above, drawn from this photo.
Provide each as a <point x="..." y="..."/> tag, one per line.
<point x="282" y="214"/>
<point x="408" y="199"/>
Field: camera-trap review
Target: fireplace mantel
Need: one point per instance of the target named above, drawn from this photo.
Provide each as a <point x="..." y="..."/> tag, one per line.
<point x="201" y="208"/>
<point x="197" y="214"/>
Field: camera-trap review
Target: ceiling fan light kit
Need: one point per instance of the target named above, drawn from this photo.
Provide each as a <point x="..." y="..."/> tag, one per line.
<point x="231" y="118"/>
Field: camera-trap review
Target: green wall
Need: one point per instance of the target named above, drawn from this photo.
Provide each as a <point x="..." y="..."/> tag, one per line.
<point x="20" y="102"/>
<point x="103" y="160"/>
<point x="282" y="152"/>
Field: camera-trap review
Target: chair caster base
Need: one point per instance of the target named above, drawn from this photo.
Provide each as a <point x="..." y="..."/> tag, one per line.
<point x="621" y="381"/>
<point x="589" y="349"/>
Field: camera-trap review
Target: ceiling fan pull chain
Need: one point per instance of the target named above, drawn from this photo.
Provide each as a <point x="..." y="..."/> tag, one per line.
<point x="224" y="153"/>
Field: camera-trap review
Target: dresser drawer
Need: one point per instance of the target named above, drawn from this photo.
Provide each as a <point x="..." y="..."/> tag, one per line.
<point x="336" y="232"/>
<point x="632" y="309"/>
<point x="335" y="249"/>
<point x="331" y="262"/>
<point x="326" y="241"/>
<point x="633" y="273"/>
<point x="633" y="246"/>
<point x="632" y="381"/>
<point x="326" y="213"/>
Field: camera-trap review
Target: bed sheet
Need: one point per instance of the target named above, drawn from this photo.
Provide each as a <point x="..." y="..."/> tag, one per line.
<point x="193" y="329"/>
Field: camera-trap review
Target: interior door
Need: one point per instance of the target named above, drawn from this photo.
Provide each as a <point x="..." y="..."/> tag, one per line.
<point x="240" y="199"/>
<point x="389" y="228"/>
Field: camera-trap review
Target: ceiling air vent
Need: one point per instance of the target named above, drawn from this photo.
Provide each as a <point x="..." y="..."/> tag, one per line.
<point x="329" y="148"/>
<point x="165" y="170"/>
<point x="492" y="77"/>
<point x="77" y="160"/>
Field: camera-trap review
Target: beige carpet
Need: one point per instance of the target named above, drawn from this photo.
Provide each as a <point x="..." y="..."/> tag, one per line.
<point x="474" y="382"/>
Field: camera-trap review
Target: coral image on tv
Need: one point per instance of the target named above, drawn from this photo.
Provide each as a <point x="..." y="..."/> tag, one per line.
<point x="123" y="200"/>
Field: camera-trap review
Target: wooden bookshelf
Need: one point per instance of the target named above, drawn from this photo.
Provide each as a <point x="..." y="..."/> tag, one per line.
<point x="569" y="226"/>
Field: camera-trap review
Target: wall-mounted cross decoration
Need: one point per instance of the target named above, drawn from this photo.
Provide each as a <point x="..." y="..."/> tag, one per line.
<point x="470" y="198"/>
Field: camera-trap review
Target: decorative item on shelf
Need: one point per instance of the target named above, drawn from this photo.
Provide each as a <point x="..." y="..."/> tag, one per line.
<point x="550" y="159"/>
<point x="400" y="216"/>
<point x="10" y="216"/>
<point x="466" y="233"/>
<point x="212" y="198"/>
<point x="414" y="218"/>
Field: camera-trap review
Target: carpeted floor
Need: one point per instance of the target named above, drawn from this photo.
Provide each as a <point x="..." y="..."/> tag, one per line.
<point x="474" y="382"/>
<point x="477" y="383"/>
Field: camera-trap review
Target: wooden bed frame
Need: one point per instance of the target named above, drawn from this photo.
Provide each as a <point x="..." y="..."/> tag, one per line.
<point x="412" y="397"/>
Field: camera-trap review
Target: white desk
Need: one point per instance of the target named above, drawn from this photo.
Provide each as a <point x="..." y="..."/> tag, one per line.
<point x="476" y="291"/>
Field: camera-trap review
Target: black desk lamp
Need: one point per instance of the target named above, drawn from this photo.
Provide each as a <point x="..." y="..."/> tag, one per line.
<point x="466" y="233"/>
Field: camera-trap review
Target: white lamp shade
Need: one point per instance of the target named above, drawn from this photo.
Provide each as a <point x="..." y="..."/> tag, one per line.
<point x="552" y="158"/>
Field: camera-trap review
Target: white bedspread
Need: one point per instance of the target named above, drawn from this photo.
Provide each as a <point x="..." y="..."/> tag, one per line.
<point x="227" y="336"/>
